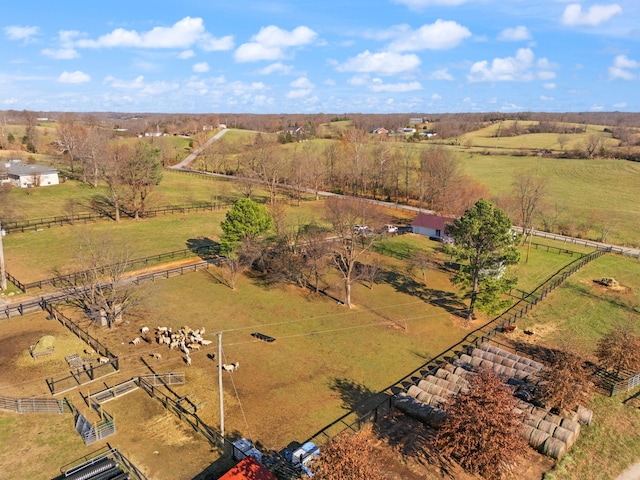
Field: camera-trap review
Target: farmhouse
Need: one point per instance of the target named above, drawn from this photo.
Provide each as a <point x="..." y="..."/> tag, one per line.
<point x="26" y="175"/>
<point x="432" y="226"/>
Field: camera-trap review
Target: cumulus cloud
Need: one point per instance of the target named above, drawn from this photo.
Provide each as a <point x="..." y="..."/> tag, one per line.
<point x="621" y="66"/>
<point x="517" y="34"/>
<point x="440" y="35"/>
<point x="60" y="53"/>
<point x="141" y="87"/>
<point x="74" y="77"/>
<point x="277" y="67"/>
<point x="186" y="54"/>
<point x="182" y="34"/>
<point x="201" y="67"/>
<point x="302" y="82"/>
<point x="270" y="43"/>
<point x="16" y="32"/>
<point x="521" y="67"/>
<point x="442" y="74"/>
<point x="303" y="87"/>
<point x="422" y="4"/>
<point x="383" y="63"/>
<point x="594" y="16"/>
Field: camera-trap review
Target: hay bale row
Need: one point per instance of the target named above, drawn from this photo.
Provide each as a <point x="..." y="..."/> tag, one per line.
<point x="459" y="371"/>
<point x="543" y="442"/>
<point x="502" y="365"/>
<point x="428" y="414"/>
<point x="509" y="355"/>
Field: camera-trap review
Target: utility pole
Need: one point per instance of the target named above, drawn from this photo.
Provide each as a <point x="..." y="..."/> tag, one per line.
<point x="220" y="388"/>
<point x="3" y="274"/>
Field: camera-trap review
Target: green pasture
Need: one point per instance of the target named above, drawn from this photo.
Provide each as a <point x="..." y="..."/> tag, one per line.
<point x="583" y="193"/>
<point x="580" y="311"/>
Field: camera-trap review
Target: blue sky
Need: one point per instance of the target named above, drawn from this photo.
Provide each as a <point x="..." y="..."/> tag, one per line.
<point x="282" y="56"/>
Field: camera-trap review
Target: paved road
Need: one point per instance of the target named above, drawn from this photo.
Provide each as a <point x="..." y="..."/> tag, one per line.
<point x="632" y="473"/>
<point x="192" y="156"/>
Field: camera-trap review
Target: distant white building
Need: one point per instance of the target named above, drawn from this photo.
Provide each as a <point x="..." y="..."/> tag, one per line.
<point x="432" y="226"/>
<point x="25" y="175"/>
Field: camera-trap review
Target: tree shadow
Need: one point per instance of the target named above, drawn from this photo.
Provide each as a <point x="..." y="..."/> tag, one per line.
<point x="448" y="301"/>
<point x="204" y="247"/>
<point x="354" y="395"/>
<point x="536" y="352"/>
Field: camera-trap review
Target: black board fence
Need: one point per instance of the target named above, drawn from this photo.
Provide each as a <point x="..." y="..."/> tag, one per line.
<point x="359" y="416"/>
<point x="62" y="220"/>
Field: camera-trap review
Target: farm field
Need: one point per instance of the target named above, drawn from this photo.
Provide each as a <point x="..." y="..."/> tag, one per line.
<point x="324" y="361"/>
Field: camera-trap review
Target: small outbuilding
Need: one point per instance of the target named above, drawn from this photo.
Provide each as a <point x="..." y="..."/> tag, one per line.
<point x="249" y="469"/>
<point x="432" y="226"/>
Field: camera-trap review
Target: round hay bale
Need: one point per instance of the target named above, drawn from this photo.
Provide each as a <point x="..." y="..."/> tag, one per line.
<point x="532" y="420"/>
<point x="476" y="361"/>
<point x="456" y="388"/>
<point x="570" y="414"/>
<point x="570" y="424"/>
<point x="441" y="373"/>
<point x="507" y="362"/>
<point x="414" y="391"/>
<point x="431" y="378"/>
<point x="424" y="397"/>
<point x="537" y="438"/>
<point x="448" y="367"/>
<point x="476" y="352"/>
<point x="499" y="369"/>
<point x="521" y="375"/>
<point x="441" y="382"/>
<point x="424" y="385"/>
<point x="584" y="415"/>
<point x="461" y="372"/>
<point x="489" y="356"/>
<point x="435" y="390"/>
<point x="491" y="348"/>
<point x="554" y="448"/>
<point x="550" y="417"/>
<point x="509" y="372"/>
<point x="486" y="364"/>
<point x="567" y="436"/>
<point x="526" y="431"/>
<point x="547" y="426"/>
<point x="437" y="400"/>
<point x="513" y="356"/>
<point x="537" y="365"/>
<point x="538" y="412"/>
<point x="464" y="358"/>
<point x="518" y="412"/>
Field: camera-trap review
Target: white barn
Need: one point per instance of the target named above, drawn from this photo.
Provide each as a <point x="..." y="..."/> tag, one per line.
<point x="26" y="175"/>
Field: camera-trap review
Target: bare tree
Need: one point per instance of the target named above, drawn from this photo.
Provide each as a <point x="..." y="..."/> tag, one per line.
<point x="564" y="383"/>
<point x="70" y="138"/>
<point x="528" y="191"/>
<point x="112" y="167"/>
<point x="481" y="429"/>
<point x="350" y="219"/>
<point x="141" y="173"/>
<point x="348" y="456"/>
<point x="593" y="144"/>
<point x="563" y="140"/>
<point x="619" y="350"/>
<point x="101" y="285"/>
<point x="420" y="260"/>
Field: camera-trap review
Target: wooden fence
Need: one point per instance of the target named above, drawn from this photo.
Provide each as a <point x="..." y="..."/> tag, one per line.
<point x="354" y="419"/>
<point x="185" y="413"/>
<point x="76" y="278"/>
<point x="35" y="405"/>
<point x="48" y="222"/>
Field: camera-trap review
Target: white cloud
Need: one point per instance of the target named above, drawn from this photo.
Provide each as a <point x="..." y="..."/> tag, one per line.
<point x="621" y="66"/>
<point x="302" y="82"/>
<point x="594" y="16"/>
<point x="16" y="32"/>
<point x="422" y="4"/>
<point x="186" y="54"/>
<point x="74" y="77"/>
<point x="383" y="63"/>
<point x="440" y="35"/>
<point x="442" y="74"/>
<point x="379" y="86"/>
<point x="270" y="42"/>
<point x="436" y="96"/>
<point x="141" y="87"/>
<point x="277" y="67"/>
<point x="61" y="53"/>
<point x="549" y="86"/>
<point x="521" y="67"/>
<point x="182" y="34"/>
<point x="620" y="105"/>
<point x="298" y="93"/>
<point x="545" y="98"/>
<point x="517" y="34"/>
<point x="201" y="67"/>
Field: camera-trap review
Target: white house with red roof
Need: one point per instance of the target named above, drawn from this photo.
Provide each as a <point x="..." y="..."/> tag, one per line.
<point x="432" y="226"/>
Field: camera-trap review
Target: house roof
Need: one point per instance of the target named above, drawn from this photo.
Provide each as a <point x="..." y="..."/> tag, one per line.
<point x="248" y="469"/>
<point x="432" y="221"/>
<point x="20" y="169"/>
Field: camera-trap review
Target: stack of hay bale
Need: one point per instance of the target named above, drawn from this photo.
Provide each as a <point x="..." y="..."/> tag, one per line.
<point x="548" y="433"/>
